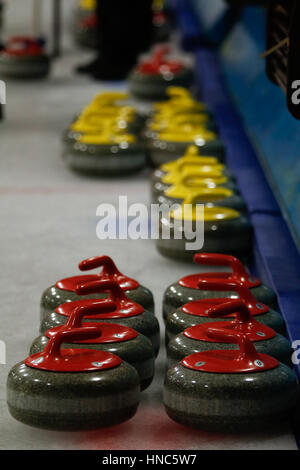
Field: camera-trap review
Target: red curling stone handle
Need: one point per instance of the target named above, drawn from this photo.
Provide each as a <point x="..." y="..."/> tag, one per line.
<point x="228" y="308"/>
<point x="104" y="261"/>
<point x="215" y="259"/>
<point x="102" y="285"/>
<point x="247" y="350"/>
<point x="52" y="349"/>
<point x="97" y="307"/>
<point x="243" y="292"/>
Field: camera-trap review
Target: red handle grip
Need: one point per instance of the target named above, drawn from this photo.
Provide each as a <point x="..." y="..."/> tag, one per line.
<point x="228" y="285"/>
<point x="103" y="285"/>
<point x="228" y="308"/>
<point x="77" y="334"/>
<point x="97" y="307"/>
<point x="215" y="259"/>
<point x="247" y="350"/>
<point x="109" y="267"/>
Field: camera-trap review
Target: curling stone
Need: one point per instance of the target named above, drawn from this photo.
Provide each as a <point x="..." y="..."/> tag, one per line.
<point x="108" y="106"/>
<point x="94" y="121"/>
<point x="196" y="312"/>
<point x="180" y="106"/>
<point x="178" y="117"/>
<point x="85" y="30"/>
<point x="230" y="391"/>
<point x="189" y="178"/>
<point x="65" y="289"/>
<point x="194" y="339"/>
<point x="125" y="342"/>
<point x="105" y="153"/>
<point x="190" y="157"/>
<point x="162" y="121"/>
<point x="161" y="25"/>
<point x="85" y="8"/>
<point x="178" y="99"/>
<point x="24" y="57"/>
<point x="187" y="229"/>
<point x="111" y="98"/>
<point x="187" y="289"/>
<point x="210" y="197"/>
<point x="72" y="389"/>
<point x="127" y="312"/>
<point x="172" y="142"/>
<point x="150" y="79"/>
<point x="193" y="168"/>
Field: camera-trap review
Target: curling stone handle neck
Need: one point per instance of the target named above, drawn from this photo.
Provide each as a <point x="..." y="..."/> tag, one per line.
<point x="247" y="350"/>
<point x="102" y="285"/>
<point x="97" y="307"/>
<point x="77" y="334"/>
<point x="238" y="306"/>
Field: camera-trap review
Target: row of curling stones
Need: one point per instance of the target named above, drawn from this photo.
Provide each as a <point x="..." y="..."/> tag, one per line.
<point x="125" y="312"/>
<point x="152" y="76"/>
<point x="230" y="391"/>
<point x="187" y="288"/>
<point x="64" y="290"/>
<point x="104" y="138"/>
<point x="24" y="57"/>
<point x="195" y="339"/>
<point x="177" y="123"/>
<point x="73" y="389"/>
<point x="127" y="343"/>
<point x="119" y="359"/>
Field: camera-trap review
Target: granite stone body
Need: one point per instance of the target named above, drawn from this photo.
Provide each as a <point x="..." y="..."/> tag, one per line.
<point x="84" y="34"/>
<point x="163" y="151"/>
<point x="24" y="67"/>
<point x="230" y="402"/>
<point x="154" y="86"/>
<point x="106" y="159"/>
<point x="72" y="401"/>
<point x="233" y="236"/>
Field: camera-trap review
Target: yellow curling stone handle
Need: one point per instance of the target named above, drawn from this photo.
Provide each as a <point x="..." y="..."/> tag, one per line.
<point x="211" y="214"/>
